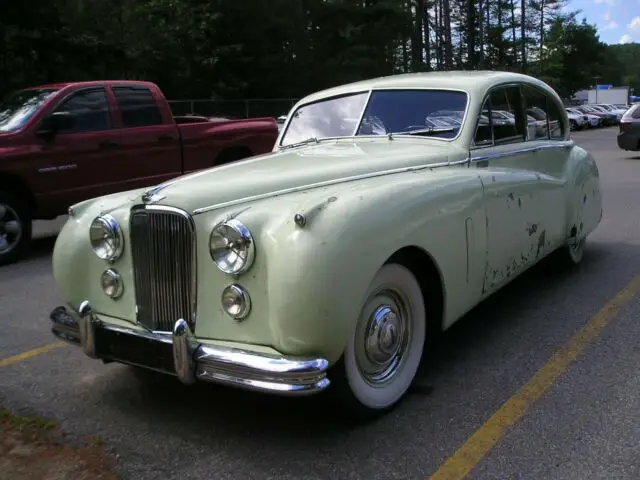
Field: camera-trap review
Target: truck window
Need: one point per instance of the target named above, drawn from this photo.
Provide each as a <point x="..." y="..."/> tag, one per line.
<point x="91" y="110"/>
<point x="137" y="106"/>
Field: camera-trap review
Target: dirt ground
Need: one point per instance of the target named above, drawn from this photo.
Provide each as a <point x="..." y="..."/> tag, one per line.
<point x="32" y="448"/>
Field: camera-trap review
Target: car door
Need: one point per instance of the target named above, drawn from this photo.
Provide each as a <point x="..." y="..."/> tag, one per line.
<point x="515" y="193"/>
<point x="150" y="142"/>
<point x="76" y="160"/>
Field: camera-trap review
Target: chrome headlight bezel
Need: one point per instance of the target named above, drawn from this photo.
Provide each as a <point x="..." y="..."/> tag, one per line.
<point x="239" y="296"/>
<point x="224" y="250"/>
<point x="112" y="232"/>
<point x="112" y="284"/>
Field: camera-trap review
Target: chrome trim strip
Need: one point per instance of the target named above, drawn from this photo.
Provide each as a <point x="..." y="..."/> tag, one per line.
<point x="488" y="156"/>
<point x="366" y="104"/>
<point x="193" y="361"/>
<point x="327" y="183"/>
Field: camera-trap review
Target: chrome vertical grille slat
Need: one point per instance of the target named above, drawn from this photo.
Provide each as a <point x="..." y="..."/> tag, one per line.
<point x="164" y="266"/>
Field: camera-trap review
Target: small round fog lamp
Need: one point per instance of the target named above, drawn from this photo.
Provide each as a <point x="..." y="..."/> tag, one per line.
<point x="236" y="301"/>
<point x="111" y="283"/>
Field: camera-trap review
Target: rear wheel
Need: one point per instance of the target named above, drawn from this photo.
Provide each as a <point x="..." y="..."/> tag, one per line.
<point x="571" y="254"/>
<point x="385" y="348"/>
<point x="15" y="228"/>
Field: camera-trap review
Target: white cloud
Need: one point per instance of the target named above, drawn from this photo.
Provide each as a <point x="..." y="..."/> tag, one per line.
<point x="611" y="23"/>
<point x="625" y="39"/>
<point x="634" y="25"/>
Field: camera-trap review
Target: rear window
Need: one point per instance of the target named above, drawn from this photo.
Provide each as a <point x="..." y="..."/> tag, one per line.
<point x="633" y="112"/>
<point x="137" y="106"/>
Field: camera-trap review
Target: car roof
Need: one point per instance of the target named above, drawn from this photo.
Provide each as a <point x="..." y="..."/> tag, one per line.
<point x="61" y="85"/>
<point x="475" y="82"/>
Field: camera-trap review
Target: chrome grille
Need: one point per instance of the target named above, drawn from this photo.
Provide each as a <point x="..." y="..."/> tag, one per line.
<point x="163" y="247"/>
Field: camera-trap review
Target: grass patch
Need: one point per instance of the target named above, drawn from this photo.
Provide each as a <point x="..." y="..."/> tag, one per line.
<point x="35" y="448"/>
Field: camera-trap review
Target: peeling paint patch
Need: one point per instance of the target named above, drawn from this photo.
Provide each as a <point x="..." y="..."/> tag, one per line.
<point x="541" y="240"/>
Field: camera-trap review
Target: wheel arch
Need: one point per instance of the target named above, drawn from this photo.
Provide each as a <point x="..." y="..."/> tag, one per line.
<point x="426" y="270"/>
<point x="14" y="184"/>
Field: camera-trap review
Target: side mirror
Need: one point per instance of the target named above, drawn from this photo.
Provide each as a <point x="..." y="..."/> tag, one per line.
<point x="55" y="122"/>
<point x="62" y="120"/>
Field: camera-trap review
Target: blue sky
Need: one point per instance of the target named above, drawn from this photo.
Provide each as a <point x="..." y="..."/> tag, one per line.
<point x="618" y="21"/>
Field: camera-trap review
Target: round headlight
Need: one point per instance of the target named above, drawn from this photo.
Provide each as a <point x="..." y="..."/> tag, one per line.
<point x="232" y="247"/>
<point x="106" y="237"/>
<point x="236" y="301"/>
<point x="111" y="283"/>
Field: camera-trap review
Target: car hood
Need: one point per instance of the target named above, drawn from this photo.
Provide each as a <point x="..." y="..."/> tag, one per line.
<point x="298" y="169"/>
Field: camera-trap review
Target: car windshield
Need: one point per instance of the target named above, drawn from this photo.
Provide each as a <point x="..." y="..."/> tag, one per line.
<point x="434" y="113"/>
<point x="18" y="108"/>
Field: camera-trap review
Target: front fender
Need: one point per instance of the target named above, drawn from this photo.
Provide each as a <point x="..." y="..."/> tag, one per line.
<point x="315" y="277"/>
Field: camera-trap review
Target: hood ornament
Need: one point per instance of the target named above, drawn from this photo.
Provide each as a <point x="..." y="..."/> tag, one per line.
<point x="151" y="196"/>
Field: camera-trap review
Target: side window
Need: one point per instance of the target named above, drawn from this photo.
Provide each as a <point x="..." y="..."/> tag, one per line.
<point x="501" y="118"/>
<point x="483" y="135"/>
<point x="137" y="106"/>
<point x="535" y="104"/>
<point x="90" y="109"/>
<point x="506" y="116"/>
<point x="556" y="127"/>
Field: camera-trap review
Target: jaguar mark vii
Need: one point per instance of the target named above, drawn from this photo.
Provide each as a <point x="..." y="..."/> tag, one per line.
<point x="387" y="209"/>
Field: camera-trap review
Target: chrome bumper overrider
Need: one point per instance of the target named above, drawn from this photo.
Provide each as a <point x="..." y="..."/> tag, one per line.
<point x="190" y="360"/>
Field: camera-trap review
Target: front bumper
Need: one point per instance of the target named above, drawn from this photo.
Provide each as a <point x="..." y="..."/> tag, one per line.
<point x="180" y="354"/>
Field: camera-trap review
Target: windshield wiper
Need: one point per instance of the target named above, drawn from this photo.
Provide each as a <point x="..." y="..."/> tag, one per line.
<point x="298" y="144"/>
<point x="425" y="131"/>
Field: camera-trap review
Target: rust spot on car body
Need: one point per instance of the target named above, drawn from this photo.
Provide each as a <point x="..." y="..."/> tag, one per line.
<point x="541" y="240"/>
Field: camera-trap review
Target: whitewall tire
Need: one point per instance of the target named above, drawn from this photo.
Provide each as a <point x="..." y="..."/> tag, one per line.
<point x="385" y="348"/>
<point x="575" y="250"/>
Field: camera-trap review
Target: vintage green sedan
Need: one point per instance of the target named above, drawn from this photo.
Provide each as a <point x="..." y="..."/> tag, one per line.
<point x="387" y="210"/>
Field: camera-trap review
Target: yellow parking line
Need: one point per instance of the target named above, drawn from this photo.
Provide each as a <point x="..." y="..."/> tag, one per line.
<point x="487" y="436"/>
<point x="31" y="353"/>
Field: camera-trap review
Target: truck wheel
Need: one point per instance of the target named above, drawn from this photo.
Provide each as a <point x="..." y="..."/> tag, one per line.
<point x="384" y="350"/>
<point x="15" y="228"/>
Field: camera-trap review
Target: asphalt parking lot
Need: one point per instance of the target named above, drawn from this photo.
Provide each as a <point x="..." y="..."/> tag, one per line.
<point x="578" y="416"/>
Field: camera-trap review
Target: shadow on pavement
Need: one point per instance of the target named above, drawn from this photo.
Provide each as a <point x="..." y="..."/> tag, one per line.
<point x="160" y="400"/>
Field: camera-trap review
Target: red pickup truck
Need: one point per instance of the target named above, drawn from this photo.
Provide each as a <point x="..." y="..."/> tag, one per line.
<point x="64" y="143"/>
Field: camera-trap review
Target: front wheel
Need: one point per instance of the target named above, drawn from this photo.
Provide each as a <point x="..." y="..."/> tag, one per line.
<point x="15" y="228"/>
<point x="384" y="350"/>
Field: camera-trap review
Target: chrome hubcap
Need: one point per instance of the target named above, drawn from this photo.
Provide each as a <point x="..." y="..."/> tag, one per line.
<point x="383" y="338"/>
<point x="10" y="228"/>
<point x="575" y="246"/>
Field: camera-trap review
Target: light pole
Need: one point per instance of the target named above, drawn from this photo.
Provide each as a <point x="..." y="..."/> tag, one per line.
<point x="596" y="79"/>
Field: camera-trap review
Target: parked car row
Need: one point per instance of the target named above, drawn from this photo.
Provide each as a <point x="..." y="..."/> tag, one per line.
<point x="629" y="135"/>
<point x="595" y="115"/>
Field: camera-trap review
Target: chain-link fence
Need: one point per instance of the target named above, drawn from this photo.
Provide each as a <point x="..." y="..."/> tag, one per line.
<point x="233" y="108"/>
